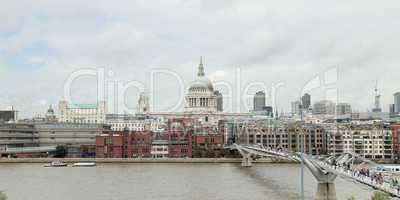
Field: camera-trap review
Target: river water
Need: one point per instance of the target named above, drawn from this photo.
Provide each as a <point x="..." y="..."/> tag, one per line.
<point x="164" y="182"/>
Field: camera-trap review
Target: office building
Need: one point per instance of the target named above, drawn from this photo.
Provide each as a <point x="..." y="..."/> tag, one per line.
<point x="306" y="101"/>
<point x="8" y="114"/>
<point x="78" y="139"/>
<point x="324" y="107"/>
<point x="17" y="135"/>
<point x="220" y="101"/>
<point x="343" y="109"/>
<point x="259" y="101"/>
<point x="397" y="102"/>
<point x="296" y="108"/>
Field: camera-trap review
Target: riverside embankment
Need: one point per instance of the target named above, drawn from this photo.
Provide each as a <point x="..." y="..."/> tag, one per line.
<point x="135" y="160"/>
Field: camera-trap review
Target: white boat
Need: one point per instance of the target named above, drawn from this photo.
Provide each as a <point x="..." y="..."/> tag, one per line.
<point x="84" y="164"/>
<point x="388" y="169"/>
<point x="56" y="164"/>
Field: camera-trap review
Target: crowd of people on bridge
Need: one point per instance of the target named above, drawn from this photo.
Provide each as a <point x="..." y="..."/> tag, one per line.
<point x="365" y="174"/>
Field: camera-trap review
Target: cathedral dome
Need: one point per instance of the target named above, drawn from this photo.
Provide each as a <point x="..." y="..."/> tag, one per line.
<point x="201" y="97"/>
<point x="202" y="82"/>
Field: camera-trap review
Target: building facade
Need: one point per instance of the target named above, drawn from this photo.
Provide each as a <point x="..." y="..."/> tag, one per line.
<point x="8" y="114"/>
<point x="324" y="107"/>
<point x="343" y="109"/>
<point x="144" y="144"/>
<point x="396" y="141"/>
<point x="287" y="136"/>
<point x="121" y="122"/>
<point x="82" y="113"/>
<point x="370" y="141"/>
<point x="14" y="135"/>
<point x="78" y="139"/>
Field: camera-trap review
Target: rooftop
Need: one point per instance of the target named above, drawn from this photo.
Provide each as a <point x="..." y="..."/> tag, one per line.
<point x="83" y="106"/>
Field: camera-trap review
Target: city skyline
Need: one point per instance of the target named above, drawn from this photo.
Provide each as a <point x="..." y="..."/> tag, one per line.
<point x="42" y="47"/>
<point x="199" y="99"/>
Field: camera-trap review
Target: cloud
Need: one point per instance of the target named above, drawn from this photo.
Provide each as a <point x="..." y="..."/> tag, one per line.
<point x="44" y="41"/>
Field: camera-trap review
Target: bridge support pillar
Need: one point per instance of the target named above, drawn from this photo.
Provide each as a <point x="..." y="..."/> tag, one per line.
<point x="246" y="160"/>
<point x="326" y="191"/>
<point x="326" y="180"/>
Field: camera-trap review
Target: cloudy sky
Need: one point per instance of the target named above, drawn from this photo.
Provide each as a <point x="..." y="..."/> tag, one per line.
<point x="295" y="44"/>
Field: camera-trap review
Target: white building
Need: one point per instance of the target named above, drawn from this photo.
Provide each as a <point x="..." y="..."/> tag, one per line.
<point x="370" y="141"/>
<point x="159" y="149"/>
<point x="133" y="123"/>
<point x="82" y="113"/>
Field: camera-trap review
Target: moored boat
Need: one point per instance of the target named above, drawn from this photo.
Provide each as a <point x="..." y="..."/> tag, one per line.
<point x="56" y="164"/>
<point x="387" y="169"/>
<point x="84" y="164"/>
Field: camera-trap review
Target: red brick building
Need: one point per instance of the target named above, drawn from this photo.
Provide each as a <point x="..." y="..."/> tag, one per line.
<point x="178" y="141"/>
<point x="208" y="141"/>
<point x="125" y="144"/>
<point x="208" y="145"/>
<point x="396" y="141"/>
<point x="179" y="144"/>
<point x="109" y="145"/>
<point x="138" y="144"/>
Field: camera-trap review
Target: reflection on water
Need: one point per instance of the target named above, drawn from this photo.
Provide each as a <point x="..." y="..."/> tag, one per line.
<point x="164" y="181"/>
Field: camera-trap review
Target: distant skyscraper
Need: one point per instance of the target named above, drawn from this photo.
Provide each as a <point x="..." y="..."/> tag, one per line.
<point x="220" y="102"/>
<point x="259" y="101"/>
<point x="306" y="101"/>
<point x="269" y="111"/>
<point x="324" y="107"/>
<point x="296" y="107"/>
<point x="392" y="109"/>
<point x="377" y="107"/>
<point x="397" y="102"/>
<point x="343" y="109"/>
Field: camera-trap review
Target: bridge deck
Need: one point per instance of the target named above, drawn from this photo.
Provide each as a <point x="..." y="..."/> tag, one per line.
<point x="347" y="174"/>
<point x="385" y="187"/>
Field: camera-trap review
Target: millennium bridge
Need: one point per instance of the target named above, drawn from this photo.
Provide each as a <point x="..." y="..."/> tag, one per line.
<point x="325" y="169"/>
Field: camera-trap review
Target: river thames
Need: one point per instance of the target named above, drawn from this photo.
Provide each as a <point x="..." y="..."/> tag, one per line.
<point x="165" y="182"/>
